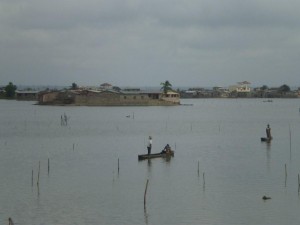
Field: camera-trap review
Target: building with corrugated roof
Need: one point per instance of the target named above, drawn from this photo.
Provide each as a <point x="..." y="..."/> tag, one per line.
<point x="110" y="98"/>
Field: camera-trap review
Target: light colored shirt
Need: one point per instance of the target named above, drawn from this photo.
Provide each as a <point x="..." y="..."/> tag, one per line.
<point x="149" y="143"/>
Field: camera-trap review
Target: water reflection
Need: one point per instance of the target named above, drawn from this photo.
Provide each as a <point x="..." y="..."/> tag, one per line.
<point x="168" y="159"/>
<point x="268" y="145"/>
<point x="268" y="153"/>
<point x="149" y="163"/>
<point x="146" y="214"/>
<point x="149" y="166"/>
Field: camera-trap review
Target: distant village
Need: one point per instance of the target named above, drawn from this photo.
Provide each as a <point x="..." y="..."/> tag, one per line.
<point x="242" y="90"/>
<point x="107" y="94"/>
<point x="103" y="95"/>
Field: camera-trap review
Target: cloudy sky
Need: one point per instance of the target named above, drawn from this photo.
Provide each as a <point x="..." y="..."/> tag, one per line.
<point x="145" y="42"/>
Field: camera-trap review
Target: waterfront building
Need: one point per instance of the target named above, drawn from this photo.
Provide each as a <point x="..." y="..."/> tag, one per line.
<point x="27" y="95"/>
<point x="241" y="89"/>
<point x="109" y="98"/>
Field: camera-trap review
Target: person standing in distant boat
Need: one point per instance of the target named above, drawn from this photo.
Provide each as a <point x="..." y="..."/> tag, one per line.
<point x="149" y="145"/>
<point x="10" y="222"/>
<point x="268" y="132"/>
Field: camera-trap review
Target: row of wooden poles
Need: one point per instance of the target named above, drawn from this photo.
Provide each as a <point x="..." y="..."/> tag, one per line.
<point x="146" y="188"/>
<point x="145" y="193"/>
<point x="38" y="176"/>
<point x="39" y="170"/>
<point x="198" y="170"/>
<point x="147" y="182"/>
<point x="10" y="221"/>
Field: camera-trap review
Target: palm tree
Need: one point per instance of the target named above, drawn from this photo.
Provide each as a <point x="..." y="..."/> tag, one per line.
<point x="74" y="86"/>
<point x="166" y="86"/>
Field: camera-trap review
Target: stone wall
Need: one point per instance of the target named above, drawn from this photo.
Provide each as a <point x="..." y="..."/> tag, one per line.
<point x="48" y="97"/>
<point x="119" y="101"/>
<point x="105" y="98"/>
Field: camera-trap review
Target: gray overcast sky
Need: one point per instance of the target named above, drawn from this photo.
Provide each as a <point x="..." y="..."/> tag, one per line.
<point x="145" y="42"/>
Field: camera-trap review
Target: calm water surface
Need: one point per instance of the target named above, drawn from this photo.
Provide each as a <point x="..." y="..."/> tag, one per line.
<point x="84" y="185"/>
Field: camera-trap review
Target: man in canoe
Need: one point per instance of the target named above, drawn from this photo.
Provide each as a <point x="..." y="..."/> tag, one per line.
<point x="149" y="145"/>
<point x="167" y="149"/>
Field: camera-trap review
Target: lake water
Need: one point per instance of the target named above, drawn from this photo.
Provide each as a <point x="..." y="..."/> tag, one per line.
<point x="84" y="185"/>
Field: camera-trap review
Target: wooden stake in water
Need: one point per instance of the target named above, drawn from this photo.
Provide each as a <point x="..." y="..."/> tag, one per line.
<point x="298" y="183"/>
<point x="38" y="179"/>
<point x="32" y="178"/>
<point x="285" y="174"/>
<point x="48" y="166"/>
<point x="146" y="192"/>
<point x="198" y="168"/>
<point x="285" y="170"/>
<point x="203" y="179"/>
<point x="118" y="165"/>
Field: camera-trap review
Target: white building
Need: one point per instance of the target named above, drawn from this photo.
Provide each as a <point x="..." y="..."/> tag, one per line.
<point x="241" y="87"/>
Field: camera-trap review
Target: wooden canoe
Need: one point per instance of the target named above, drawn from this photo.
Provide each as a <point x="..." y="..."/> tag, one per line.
<point x="265" y="139"/>
<point x="156" y="155"/>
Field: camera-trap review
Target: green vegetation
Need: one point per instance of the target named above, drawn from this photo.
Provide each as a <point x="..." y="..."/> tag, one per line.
<point x="10" y="90"/>
<point x="74" y="86"/>
<point x="115" y="88"/>
<point x="166" y="86"/>
<point x="264" y="87"/>
<point x="284" y="88"/>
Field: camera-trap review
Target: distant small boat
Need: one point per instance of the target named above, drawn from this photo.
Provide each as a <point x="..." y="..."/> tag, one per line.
<point x="269" y="100"/>
<point x="265" y="197"/>
<point x="187" y="104"/>
<point x="156" y="155"/>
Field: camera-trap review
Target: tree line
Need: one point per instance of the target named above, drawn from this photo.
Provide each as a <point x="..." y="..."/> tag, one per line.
<point x="10" y="88"/>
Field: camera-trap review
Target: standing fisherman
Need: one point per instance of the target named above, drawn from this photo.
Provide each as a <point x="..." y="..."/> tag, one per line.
<point x="268" y="132"/>
<point x="149" y="145"/>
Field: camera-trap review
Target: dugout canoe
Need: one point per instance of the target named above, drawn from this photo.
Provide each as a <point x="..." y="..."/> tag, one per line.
<point x="265" y="139"/>
<point x="156" y="155"/>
